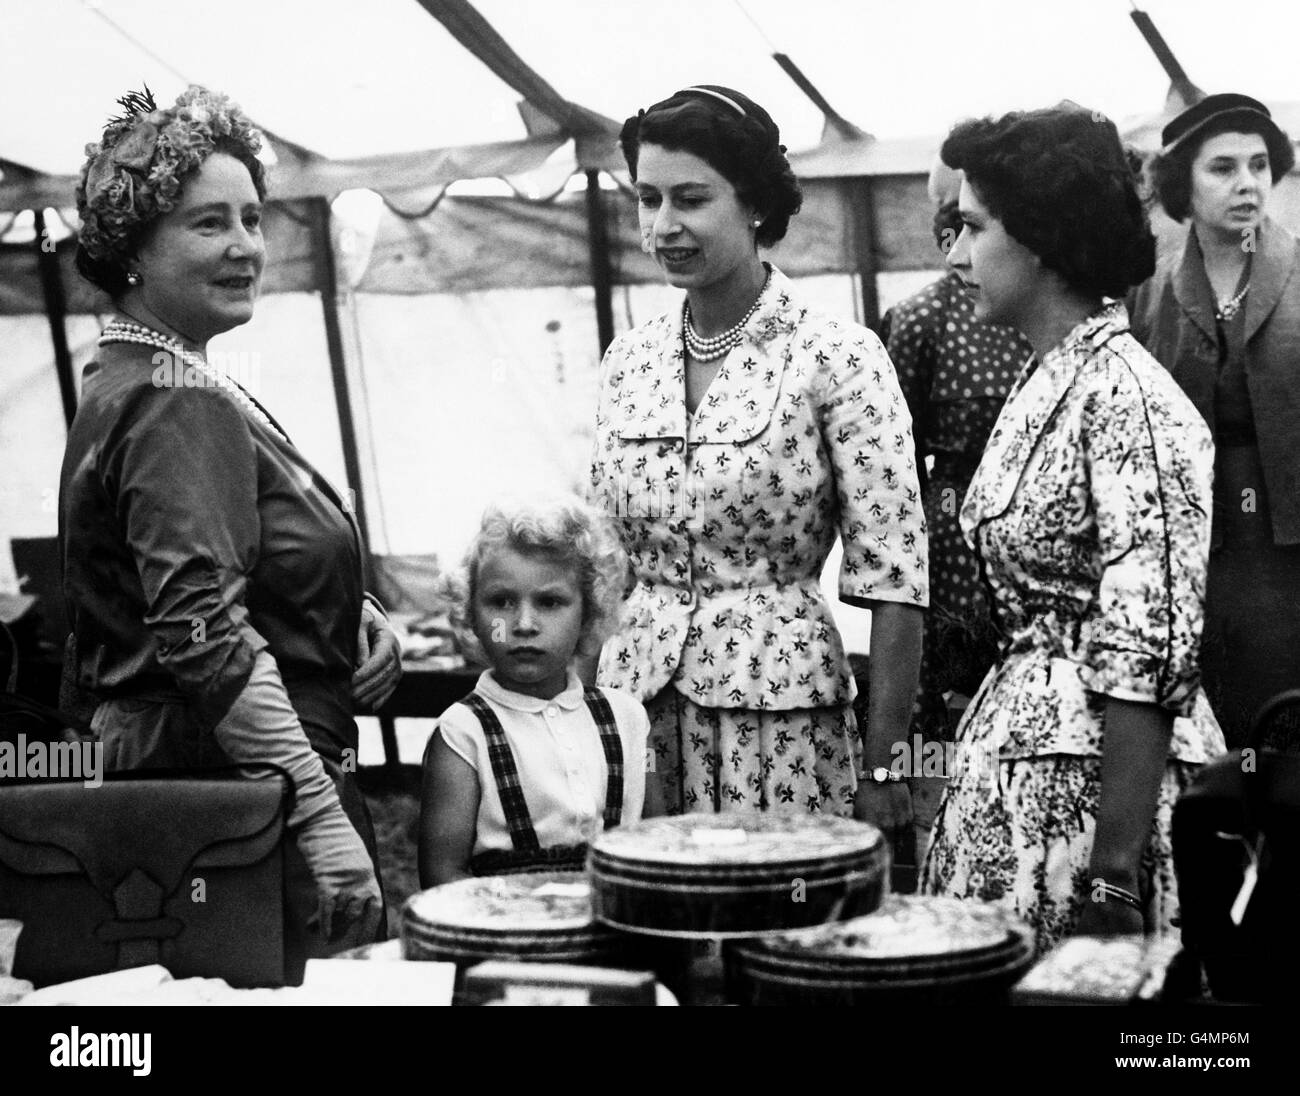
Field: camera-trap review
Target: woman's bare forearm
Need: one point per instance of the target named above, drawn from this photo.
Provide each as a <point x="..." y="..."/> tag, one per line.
<point x="1135" y="750"/>
<point x="893" y="670"/>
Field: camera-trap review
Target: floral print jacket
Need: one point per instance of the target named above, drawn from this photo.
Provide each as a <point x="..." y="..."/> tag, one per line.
<point x="1090" y="512"/>
<point x="728" y="515"/>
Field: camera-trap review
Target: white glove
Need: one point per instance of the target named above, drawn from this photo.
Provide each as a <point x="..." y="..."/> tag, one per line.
<point x="262" y="726"/>
<point x="347" y="890"/>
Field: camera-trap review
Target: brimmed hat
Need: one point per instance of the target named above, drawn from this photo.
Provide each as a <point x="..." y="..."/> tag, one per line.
<point x="1218" y="108"/>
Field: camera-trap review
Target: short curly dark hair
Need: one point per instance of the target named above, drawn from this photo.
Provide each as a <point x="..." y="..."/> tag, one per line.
<point x="745" y="149"/>
<point x="1062" y="184"/>
<point x="1171" y="173"/>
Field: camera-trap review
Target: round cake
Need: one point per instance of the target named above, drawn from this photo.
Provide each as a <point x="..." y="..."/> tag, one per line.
<point x="733" y="875"/>
<point x="539" y="917"/>
<point x="913" y="950"/>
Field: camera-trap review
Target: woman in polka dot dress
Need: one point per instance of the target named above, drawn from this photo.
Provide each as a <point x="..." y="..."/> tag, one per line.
<point x="955" y="374"/>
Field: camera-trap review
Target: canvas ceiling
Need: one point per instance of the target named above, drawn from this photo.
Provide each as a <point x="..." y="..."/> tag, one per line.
<point x="469" y="332"/>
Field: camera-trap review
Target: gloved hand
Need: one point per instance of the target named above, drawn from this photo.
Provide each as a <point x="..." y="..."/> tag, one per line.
<point x="262" y="726"/>
<point x="348" y="894"/>
<point x="379" y="660"/>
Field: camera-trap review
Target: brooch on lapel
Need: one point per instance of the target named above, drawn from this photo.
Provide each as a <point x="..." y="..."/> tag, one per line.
<point x="773" y="324"/>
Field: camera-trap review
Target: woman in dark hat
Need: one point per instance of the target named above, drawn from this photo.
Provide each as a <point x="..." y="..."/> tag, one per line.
<point x="736" y="437"/>
<point x="212" y="575"/>
<point x="1222" y="314"/>
<point x="1089" y="515"/>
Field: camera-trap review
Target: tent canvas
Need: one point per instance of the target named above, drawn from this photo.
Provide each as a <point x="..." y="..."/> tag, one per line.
<point x="453" y="308"/>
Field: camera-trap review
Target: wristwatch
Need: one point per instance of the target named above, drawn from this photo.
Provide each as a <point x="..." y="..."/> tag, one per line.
<point x="881" y="775"/>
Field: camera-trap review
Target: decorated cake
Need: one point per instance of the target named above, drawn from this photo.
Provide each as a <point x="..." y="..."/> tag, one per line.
<point x="912" y="950"/>
<point x="530" y="917"/>
<point x="736" y="874"/>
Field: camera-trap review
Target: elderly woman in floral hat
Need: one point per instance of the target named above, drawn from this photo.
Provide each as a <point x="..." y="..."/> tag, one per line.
<point x="736" y="438"/>
<point x="212" y="575"/>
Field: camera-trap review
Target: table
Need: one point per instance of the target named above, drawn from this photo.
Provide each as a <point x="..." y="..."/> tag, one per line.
<point x="421" y="694"/>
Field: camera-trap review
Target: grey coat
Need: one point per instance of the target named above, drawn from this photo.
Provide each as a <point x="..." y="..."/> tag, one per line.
<point x="1172" y="314"/>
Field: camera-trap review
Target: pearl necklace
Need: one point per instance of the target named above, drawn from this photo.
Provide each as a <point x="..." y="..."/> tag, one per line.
<point x="1229" y="308"/>
<point x="709" y="350"/>
<point x="123" y="331"/>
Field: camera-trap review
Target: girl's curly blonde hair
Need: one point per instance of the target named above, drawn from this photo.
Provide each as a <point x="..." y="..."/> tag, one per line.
<point x="562" y="528"/>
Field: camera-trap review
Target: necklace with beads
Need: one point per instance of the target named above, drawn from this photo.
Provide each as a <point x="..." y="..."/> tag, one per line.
<point x="1226" y="310"/>
<point x="710" y="350"/>
<point x="125" y="331"/>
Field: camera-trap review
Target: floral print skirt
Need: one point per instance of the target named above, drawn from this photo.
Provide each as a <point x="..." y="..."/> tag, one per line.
<point x="741" y="759"/>
<point x="1019" y="832"/>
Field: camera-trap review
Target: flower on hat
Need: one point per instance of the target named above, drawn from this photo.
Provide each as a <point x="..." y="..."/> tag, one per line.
<point x="135" y="152"/>
<point x="134" y="173"/>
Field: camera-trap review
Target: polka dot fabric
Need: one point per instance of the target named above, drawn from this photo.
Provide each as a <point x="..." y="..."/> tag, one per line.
<point x="955" y="373"/>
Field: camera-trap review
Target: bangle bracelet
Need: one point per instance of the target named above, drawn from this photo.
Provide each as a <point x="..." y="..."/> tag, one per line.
<point x="1101" y="890"/>
<point x="880" y="775"/>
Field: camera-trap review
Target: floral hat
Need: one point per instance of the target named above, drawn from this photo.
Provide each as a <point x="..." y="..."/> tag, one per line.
<point x="134" y="174"/>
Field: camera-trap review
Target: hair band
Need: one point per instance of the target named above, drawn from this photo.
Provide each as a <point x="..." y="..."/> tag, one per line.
<point x="718" y="95"/>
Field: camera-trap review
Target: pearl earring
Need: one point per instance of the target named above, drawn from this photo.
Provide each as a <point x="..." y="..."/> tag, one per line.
<point x="646" y="245"/>
<point x="758" y="221"/>
<point x="133" y="278"/>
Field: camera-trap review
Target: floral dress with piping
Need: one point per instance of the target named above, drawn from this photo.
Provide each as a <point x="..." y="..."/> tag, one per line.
<point x="728" y="516"/>
<point x="1090" y="514"/>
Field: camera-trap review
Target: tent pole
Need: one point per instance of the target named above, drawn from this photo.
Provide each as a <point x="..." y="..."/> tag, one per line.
<point x="327" y="282"/>
<point x="602" y="278"/>
<point x="860" y="198"/>
<point x="56" y="309"/>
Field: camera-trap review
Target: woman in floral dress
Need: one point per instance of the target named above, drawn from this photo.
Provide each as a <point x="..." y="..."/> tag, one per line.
<point x="1090" y="514"/>
<point x="736" y="436"/>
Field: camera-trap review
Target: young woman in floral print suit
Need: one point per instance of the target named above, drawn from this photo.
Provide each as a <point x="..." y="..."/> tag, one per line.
<point x="736" y="436"/>
<point x="1090" y="515"/>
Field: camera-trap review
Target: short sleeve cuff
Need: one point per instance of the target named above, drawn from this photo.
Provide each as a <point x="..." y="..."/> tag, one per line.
<point x="853" y="587"/>
<point x="458" y="740"/>
<point x="1135" y="677"/>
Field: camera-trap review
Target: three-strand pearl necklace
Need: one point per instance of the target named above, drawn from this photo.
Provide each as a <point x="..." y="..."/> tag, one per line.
<point x="709" y="350"/>
<point x="124" y="331"/>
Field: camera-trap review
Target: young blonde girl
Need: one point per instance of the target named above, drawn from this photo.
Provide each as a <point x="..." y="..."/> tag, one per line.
<point x="527" y="769"/>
